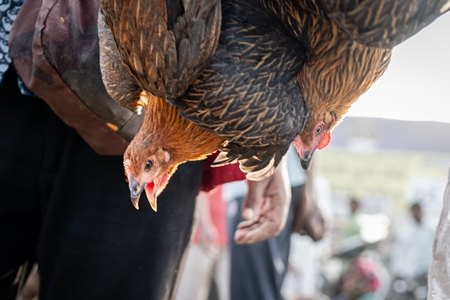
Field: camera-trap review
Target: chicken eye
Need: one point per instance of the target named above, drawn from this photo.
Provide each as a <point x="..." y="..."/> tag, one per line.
<point x="319" y="130"/>
<point x="148" y="165"/>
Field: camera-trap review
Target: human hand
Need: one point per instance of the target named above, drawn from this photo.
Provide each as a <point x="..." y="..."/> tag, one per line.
<point x="30" y="290"/>
<point x="265" y="207"/>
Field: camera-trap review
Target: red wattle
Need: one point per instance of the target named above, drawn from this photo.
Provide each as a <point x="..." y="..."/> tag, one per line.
<point x="325" y="141"/>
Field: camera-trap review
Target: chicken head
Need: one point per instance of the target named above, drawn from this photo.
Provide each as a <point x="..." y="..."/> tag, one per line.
<point x="316" y="135"/>
<point x="148" y="172"/>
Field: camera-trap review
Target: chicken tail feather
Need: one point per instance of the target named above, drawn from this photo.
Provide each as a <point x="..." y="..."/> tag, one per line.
<point x="258" y="163"/>
<point x="222" y="159"/>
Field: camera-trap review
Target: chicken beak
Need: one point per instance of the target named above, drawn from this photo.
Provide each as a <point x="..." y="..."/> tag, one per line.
<point x="135" y="191"/>
<point x="153" y="203"/>
<point x="306" y="160"/>
<point x="151" y="190"/>
<point x="154" y="188"/>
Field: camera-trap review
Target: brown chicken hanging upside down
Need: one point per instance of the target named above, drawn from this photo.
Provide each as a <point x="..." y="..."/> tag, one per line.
<point x="247" y="77"/>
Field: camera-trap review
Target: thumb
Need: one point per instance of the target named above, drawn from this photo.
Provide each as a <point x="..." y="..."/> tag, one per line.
<point x="253" y="201"/>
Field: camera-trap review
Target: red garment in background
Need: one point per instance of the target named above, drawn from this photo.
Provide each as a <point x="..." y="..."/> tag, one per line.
<point x="218" y="211"/>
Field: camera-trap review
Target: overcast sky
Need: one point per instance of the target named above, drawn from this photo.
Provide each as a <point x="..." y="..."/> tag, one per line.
<point x="416" y="86"/>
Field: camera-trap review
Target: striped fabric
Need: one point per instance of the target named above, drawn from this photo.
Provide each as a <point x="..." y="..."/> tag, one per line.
<point x="8" y="12"/>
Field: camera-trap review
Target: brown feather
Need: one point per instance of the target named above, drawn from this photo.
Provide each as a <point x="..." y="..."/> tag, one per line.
<point x="183" y="140"/>
<point x="338" y="69"/>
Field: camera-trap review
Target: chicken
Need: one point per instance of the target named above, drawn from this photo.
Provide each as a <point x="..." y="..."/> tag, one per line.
<point x="350" y="47"/>
<point x="251" y="76"/>
<point x="161" y="161"/>
<point x="166" y="139"/>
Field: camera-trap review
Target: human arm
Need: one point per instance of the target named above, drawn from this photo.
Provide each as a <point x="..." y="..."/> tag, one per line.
<point x="265" y="207"/>
<point x="308" y="217"/>
<point x="209" y="236"/>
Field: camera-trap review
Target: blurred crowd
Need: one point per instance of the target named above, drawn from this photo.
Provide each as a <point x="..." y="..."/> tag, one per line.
<point x="359" y="256"/>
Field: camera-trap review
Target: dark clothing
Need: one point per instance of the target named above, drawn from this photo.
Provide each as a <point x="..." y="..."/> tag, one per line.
<point x="69" y="208"/>
<point x="258" y="270"/>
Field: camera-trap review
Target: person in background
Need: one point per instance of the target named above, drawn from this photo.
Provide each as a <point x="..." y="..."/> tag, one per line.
<point x="412" y="247"/>
<point x="208" y="256"/>
<point x="353" y="228"/>
<point x="258" y="270"/>
<point x="304" y="278"/>
<point x="362" y="273"/>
